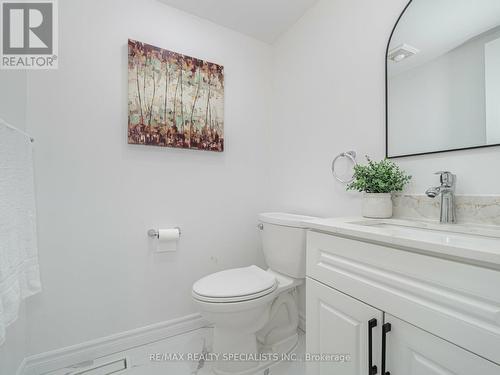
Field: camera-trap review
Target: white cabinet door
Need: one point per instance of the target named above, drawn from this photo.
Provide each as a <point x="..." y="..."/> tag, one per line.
<point x="338" y="329"/>
<point x="411" y="350"/>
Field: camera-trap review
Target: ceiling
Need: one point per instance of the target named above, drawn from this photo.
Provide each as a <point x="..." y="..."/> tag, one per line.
<point x="435" y="27"/>
<point x="265" y="20"/>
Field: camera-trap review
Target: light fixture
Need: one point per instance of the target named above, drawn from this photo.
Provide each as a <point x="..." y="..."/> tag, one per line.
<point x="402" y="52"/>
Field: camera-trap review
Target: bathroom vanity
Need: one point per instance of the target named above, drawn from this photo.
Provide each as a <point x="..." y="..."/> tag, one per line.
<point x="403" y="297"/>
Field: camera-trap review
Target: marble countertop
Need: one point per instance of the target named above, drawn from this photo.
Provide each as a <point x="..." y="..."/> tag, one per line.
<point x="469" y="243"/>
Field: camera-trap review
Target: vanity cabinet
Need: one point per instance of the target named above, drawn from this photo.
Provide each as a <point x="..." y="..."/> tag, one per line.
<point x="339" y="324"/>
<point x="443" y="314"/>
<point x="413" y="351"/>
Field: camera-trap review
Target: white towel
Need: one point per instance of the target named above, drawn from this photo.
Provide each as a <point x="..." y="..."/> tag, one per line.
<point x="19" y="271"/>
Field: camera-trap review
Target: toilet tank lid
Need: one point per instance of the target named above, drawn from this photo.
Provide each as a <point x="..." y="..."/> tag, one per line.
<point x="288" y="220"/>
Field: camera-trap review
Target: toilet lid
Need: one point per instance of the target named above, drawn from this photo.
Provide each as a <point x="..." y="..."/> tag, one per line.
<point x="234" y="285"/>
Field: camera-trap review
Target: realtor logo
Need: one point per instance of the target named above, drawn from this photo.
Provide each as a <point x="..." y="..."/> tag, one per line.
<point x="29" y="34"/>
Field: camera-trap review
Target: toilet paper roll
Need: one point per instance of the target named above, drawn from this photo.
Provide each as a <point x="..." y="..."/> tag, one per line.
<point x="167" y="240"/>
<point x="166" y="235"/>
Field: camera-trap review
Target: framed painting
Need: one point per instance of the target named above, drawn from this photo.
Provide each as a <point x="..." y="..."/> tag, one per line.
<point x="174" y="100"/>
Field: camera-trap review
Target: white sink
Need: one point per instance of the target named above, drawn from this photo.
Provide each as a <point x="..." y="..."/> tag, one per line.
<point x="479" y="244"/>
<point x="418" y="228"/>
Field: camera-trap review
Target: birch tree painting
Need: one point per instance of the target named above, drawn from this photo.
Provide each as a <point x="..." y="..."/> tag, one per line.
<point x="174" y="100"/>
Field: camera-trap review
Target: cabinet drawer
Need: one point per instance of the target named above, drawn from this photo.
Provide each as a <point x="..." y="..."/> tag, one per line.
<point x="456" y="301"/>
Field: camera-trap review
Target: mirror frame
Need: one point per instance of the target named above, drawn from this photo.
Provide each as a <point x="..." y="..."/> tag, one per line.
<point x="387" y="104"/>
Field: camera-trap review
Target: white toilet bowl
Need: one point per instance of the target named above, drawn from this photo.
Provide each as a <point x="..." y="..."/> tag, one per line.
<point x="240" y="303"/>
<point x="247" y="305"/>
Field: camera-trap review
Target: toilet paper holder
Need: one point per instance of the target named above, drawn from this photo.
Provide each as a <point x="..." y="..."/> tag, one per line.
<point x="155" y="233"/>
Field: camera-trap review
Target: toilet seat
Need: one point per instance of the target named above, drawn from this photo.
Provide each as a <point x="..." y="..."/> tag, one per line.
<point x="235" y="285"/>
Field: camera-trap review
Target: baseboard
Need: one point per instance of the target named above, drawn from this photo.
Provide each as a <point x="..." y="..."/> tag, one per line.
<point x="60" y="358"/>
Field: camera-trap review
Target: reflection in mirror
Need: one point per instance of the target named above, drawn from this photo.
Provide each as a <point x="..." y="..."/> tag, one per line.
<point x="443" y="77"/>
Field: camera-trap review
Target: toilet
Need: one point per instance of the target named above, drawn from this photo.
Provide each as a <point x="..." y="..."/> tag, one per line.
<point x="254" y="311"/>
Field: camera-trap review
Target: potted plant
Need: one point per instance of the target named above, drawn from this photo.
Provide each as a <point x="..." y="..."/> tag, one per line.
<point x="377" y="181"/>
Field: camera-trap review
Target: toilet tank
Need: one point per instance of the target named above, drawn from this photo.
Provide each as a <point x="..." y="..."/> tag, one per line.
<point x="284" y="242"/>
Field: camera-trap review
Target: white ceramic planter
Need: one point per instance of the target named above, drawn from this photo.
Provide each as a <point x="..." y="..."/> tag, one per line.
<point x="377" y="205"/>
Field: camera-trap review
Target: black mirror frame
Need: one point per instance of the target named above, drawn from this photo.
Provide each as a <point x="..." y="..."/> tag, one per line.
<point x="387" y="104"/>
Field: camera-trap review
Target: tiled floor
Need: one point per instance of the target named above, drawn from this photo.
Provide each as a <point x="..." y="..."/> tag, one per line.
<point x="141" y="364"/>
<point x="292" y="368"/>
<point x="148" y="359"/>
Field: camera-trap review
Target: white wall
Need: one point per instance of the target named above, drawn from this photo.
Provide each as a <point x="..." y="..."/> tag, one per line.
<point x="13" y="92"/>
<point x="476" y="170"/>
<point x="329" y="98"/>
<point x="97" y="196"/>
<point x="13" y="95"/>
<point x="15" y="348"/>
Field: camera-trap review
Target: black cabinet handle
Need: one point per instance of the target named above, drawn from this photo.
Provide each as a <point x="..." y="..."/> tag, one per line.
<point x="372" y="370"/>
<point x="385" y="328"/>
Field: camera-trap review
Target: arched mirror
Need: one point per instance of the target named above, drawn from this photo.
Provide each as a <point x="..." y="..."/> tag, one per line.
<point x="443" y="77"/>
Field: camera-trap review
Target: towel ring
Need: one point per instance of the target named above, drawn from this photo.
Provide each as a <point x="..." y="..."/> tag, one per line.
<point x="351" y="155"/>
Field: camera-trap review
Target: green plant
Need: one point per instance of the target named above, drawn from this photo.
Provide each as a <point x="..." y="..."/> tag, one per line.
<point x="379" y="177"/>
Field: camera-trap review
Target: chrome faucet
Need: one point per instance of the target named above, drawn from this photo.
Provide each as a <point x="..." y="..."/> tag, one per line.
<point x="447" y="192"/>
